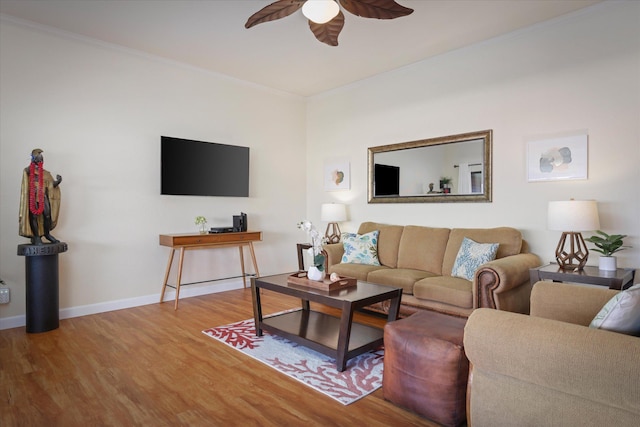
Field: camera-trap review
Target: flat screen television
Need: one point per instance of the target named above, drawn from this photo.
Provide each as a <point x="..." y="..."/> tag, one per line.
<point x="386" y="180"/>
<point x="198" y="168"/>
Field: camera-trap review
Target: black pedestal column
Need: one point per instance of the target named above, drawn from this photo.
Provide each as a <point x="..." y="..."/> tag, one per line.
<point x="41" y="262"/>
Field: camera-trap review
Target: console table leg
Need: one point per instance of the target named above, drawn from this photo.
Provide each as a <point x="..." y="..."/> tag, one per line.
<point x="166" y="274"/>
<point x="175" y="307"/>
<point x="244" y="276"/>
<point x="253" y="258"/>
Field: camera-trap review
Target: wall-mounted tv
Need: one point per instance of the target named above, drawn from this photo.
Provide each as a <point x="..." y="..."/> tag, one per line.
<point x="387" y="180"/>
<point x="198" y="168"/>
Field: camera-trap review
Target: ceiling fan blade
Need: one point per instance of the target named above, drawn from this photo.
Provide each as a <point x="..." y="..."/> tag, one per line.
<point x="328" y="33"/>
<point x="275" y="10"/>
<point x="380" y="9"/>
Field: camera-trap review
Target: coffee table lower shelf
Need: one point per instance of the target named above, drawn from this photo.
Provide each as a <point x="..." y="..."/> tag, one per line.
<point x="320" y="332"/>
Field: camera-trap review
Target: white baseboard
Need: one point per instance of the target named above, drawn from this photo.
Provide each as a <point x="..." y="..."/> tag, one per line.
<point x="170" y="295"/>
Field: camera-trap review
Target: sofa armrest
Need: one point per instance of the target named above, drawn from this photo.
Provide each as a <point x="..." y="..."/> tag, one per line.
<point x="525" y="356"/>
<point x="501" y="276"/>
<point x="568" y="302"/>
<point x="334" y="253"/>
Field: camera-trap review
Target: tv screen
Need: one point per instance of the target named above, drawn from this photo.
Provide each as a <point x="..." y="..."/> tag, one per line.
<point x="386" y="180"/>
<point x="198" y="168"/>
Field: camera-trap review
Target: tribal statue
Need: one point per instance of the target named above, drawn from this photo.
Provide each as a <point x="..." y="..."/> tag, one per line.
<point x="39" y="201"/>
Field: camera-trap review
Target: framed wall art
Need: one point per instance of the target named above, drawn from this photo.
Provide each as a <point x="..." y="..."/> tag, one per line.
<point x="557" y="158"/>
<point x="336" y="175"/>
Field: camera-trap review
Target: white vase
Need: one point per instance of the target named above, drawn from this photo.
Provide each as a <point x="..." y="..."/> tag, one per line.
<point x="608" y="263"/>
<point x="314" y="274"/>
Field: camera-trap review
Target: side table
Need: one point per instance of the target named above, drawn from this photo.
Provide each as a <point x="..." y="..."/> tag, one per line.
<point x="619" y="279"/>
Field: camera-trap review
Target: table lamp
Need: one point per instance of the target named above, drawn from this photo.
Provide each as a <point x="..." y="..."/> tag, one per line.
<point x="332" y="213"/>
<point x="576" y="216"/>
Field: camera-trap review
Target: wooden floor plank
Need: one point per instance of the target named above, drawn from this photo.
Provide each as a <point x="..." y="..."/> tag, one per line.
<point x="152" y="366"/>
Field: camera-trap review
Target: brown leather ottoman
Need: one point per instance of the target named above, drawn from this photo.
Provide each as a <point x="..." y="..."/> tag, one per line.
<point x="425" y="367"/>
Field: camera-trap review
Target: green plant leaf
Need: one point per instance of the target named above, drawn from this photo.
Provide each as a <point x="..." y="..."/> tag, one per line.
<point x="607" y="244"/>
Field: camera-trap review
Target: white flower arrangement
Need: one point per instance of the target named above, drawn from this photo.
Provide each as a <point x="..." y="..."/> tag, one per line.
<point x="200" y="222"/>
<point x="317" y="240"/>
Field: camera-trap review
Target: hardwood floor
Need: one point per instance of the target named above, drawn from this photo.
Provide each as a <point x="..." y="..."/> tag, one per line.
<point x="152" y="366"/>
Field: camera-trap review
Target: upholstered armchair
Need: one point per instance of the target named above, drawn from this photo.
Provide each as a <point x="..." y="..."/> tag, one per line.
<point x="549" y="368"/>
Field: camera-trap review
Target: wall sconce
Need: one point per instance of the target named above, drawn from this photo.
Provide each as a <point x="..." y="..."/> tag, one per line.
<point x="577" y="216"/>
<point x="333" y="213"/>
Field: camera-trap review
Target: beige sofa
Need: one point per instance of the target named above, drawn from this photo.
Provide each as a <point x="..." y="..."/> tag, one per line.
<point x="549" y="368"/>
<point x="420" y="260"/>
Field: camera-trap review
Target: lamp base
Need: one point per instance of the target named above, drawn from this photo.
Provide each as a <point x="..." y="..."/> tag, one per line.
<point x="334" y="235"/>
<point x="576" y="257"/>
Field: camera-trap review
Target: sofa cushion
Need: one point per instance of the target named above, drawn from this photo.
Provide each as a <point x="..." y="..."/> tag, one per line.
<point x="388" y="241"/>
<point x="357" y="271"/>
<point x="509" y="239"/>
<point x="621" y="314"/>
<point x="360" y="248"/>
<point x="471" y="256"/>
<point x="422" y="248"/>
<point x="399" y="277"/>
<point x="563" y="302"/>
<point x="445" y="289"/>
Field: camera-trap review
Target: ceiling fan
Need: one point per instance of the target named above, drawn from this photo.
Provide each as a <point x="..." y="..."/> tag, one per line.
<point x="325" y="17"/>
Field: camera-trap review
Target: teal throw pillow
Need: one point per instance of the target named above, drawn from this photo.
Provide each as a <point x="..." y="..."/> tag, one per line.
<point x="621" y="314"/>
<point x="360" y="249"/>
<point x="471" y="256"/>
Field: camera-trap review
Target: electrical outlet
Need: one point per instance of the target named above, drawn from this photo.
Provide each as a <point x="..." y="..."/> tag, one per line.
<point x="5" y="295"/>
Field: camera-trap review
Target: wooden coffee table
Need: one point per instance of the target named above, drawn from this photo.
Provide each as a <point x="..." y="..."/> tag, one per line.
<point x="340" y="338"/>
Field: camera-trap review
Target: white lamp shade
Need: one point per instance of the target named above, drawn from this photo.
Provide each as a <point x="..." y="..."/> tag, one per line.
<point x="573" y="215"/>
<point x="333" y="212"/>
<point x="320" y="11"/>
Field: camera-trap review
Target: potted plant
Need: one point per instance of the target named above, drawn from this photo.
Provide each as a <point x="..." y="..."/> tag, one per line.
<point x="607" y="245"/>
<point x="445" y="182"/>
<point x="316" y="271"/>
<point x="201" y="222"/>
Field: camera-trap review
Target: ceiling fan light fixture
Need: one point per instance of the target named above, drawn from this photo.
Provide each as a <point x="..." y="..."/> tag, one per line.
<point x="320" y="11"/>
<point x="326" y="19"/>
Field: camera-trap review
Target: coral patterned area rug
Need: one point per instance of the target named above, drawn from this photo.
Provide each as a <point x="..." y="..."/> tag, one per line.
<point x="362" y="376"/>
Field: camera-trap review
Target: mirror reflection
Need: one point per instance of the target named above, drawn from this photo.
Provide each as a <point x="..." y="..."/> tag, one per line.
<point x="454" y="168"/>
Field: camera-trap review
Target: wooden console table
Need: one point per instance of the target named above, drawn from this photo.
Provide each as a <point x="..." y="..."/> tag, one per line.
<point x="184" y="242"/>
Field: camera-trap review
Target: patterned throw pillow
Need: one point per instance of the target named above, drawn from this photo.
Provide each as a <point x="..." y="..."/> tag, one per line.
<point x="360" y="249"/>
<point x="621" y="314"/>
<point x="471" y="256"/>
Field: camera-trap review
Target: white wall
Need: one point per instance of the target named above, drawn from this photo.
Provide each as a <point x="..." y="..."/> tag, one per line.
<point x="98" y="113"/>
<point x="581" y="72"/>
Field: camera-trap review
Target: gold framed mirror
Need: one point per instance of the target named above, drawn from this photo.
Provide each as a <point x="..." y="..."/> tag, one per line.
<point x="455" y="168"/>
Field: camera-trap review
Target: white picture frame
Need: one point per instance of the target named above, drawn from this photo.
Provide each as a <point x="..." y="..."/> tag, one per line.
<point x="557" y="158"/>
<point x="337" y="175"/>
